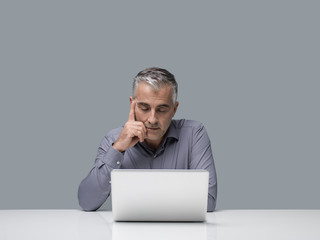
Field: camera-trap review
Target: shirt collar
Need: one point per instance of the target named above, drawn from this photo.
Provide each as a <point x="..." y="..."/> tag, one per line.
<point x="173" y="131"/>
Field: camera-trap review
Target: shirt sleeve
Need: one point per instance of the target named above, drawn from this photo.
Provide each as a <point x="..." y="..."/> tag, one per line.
<point x="202" y="158"/>
<point x="95" y="188"/>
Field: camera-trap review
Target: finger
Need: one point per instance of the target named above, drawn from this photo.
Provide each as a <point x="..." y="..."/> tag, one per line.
<point x="141" y="137"/>
<point x="142" y="129"/>
<point x="136" y="133"/>
<point x="140" y="132"/>
<point x="132" y="116"/>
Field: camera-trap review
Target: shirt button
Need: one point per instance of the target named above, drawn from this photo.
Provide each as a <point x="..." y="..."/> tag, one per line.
<point x="118" y="162"/>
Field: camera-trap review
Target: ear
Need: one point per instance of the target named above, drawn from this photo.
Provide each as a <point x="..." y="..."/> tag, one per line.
<point x="175" y="108"/>
<point x="131" y="99"/>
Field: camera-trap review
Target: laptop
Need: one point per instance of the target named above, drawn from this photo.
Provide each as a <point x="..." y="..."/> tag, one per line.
<point x="159" y="195"/>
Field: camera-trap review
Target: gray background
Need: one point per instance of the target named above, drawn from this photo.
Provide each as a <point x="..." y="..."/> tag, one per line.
<point x="249" y="70"/>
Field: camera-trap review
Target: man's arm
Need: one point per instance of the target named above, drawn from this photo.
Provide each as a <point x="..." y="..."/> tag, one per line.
<point x="132" y="132"/>
<point x="95" y="188"/>
<point x="202" y="158"/>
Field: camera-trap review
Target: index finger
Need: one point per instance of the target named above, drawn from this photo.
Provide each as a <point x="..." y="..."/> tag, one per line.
<point x="132" y="116"/>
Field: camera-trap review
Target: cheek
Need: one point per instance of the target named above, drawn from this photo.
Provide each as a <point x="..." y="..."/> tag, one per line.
<point x="166" y="121"/>
<point x="140" y="116"/>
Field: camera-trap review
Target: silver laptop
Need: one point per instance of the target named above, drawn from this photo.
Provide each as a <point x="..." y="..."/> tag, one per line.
<point x="159" y="195"/>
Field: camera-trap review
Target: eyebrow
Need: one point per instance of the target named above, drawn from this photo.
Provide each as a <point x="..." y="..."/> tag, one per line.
<point x="147" y="105"/>
<point x="163" y="105"/>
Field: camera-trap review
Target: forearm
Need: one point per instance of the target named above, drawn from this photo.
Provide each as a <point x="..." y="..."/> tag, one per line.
<point x="202" y="158"/>
<point x="211" y="202"/>
<point x="95" y="188"/>
<point x="212" y="190"/>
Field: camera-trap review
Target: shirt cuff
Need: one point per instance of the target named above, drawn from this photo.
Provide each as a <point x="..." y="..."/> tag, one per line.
<point x="112" y="158"/>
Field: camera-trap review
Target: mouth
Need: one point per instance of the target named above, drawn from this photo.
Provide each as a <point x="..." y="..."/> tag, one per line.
<point x="152" y="128"/>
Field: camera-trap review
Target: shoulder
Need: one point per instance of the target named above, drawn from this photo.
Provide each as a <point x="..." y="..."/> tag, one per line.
<point x="193" y="130"/>
<point x="110" y="138"/>
<point x="189" y="128"/>
<point x="115" y="131"/>
<point x="113" y="134"/>
<point x="187" y="124"/>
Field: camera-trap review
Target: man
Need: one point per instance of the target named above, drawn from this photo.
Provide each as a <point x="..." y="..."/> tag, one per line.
<point x="150" y="139"/>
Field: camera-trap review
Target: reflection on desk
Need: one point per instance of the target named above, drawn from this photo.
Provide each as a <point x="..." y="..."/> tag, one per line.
<point x="163" y="231"/>
<point x="227" y="224"/>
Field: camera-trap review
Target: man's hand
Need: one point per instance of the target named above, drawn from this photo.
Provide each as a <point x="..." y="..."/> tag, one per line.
<point x="132" y="132"/>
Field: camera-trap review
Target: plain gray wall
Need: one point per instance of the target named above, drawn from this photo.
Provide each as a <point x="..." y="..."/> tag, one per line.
<point x="249" y="70"/>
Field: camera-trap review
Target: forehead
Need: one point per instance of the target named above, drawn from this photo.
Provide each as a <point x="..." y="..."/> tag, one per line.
<point x="147" y="94"/>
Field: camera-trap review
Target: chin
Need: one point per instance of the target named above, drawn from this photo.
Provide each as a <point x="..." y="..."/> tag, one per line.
<point x="153" y="138"/>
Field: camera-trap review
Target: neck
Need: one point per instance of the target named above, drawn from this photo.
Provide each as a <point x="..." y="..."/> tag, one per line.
<point x="154" y="144"/>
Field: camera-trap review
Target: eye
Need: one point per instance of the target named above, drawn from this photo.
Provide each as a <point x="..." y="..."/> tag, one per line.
<point x="162" y="110"/>
<point x="144" y="109"/>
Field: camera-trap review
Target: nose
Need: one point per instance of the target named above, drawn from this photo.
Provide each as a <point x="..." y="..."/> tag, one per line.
<point x="152" y="119"/>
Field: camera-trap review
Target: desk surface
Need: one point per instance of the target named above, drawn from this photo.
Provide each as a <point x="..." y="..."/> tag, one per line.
<point x="227" y="224"/>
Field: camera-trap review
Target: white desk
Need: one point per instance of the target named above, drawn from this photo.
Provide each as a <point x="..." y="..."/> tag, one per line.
<point x="227" y="224"/>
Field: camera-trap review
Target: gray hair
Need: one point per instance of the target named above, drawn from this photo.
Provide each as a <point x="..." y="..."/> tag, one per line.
<point x="157" y="78"/>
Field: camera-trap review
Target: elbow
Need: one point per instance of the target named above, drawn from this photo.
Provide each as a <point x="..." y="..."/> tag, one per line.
<point x="87" y="205"/>
<point x="88" y="208"/>
<point x="87" y="200"/>
<point x="211" y="204"/>
<point x="210" y="208"/>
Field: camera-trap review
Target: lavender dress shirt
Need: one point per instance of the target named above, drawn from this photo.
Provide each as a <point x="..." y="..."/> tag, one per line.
<point x="186" y="146"/>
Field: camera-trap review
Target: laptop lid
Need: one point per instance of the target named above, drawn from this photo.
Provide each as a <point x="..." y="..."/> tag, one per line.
<point x="159" y="195"/>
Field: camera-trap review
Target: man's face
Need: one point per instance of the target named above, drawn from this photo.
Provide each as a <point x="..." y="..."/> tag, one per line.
<point x="155" y="109"/>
